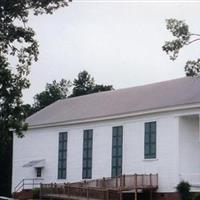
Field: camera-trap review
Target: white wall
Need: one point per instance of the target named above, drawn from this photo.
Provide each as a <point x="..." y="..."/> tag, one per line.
<point x="43" y="144"/>
<point x="166" y="162"/>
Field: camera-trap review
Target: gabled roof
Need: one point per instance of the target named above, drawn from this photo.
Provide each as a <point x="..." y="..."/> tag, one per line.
<point x="167" y="94"/>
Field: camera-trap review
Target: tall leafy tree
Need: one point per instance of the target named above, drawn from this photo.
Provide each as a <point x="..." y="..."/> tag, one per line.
<point x="85" y="84"/>
<point x="18" y="49"/>
<point x="17" y="40"/>
<point x="53" y="92"/>
<point x="183" y="37"/>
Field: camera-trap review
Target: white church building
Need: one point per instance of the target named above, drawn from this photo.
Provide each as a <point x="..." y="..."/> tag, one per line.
<point x="145" y="129"/>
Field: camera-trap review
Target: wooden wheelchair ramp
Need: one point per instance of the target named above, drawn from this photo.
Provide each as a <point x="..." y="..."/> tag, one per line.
<point x="101" y="189"/>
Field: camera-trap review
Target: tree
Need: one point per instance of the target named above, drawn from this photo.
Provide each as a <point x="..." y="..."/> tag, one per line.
<point x="18" y="49"/>
<point x="53" y="92"/>
<point x="17" y="40"/>
<point x="85" y="84"/>
<point x="102" y="88"/>
<point x="183" y="37"/>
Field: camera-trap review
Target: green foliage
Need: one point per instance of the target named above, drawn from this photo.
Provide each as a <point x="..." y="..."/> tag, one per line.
<point x="183" y="37"/>
<point x="17" y="43"/>
<point x="52" y="93"/>
<point x="18" y="49"/>
<point x="11" y="112"/>
<point x="85" y="84"/>
<point x="184" y="189"/>
<point x="101" y="88"/>
<point x="28" y="110"/>
<point x="192" y="68"/>
<point x="180" y="31"/>
<point x="6" y="170"/>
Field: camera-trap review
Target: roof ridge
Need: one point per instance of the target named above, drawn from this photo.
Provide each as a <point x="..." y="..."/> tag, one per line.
<point x="121" y="89"/>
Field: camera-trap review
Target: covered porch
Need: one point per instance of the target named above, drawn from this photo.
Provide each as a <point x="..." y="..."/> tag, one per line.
<point x="189" y="150"/>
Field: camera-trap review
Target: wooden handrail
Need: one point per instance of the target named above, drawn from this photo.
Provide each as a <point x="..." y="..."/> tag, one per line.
<point x="103" y="186"/>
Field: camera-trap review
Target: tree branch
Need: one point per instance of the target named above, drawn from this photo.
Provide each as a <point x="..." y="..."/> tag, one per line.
<point x="193" y="41"/>
<point x="194" y="34"/>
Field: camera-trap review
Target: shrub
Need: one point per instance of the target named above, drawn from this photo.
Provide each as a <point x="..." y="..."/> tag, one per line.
<point x="184" y="189"/>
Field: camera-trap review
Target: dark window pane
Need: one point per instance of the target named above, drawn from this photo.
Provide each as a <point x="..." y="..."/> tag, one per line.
<point x="119" y="162"/>
<point x="119" y="140"/>
<point x="89" y="163"/>
<point x="153" y="137"/>
<point x="64" y="145"/>
<point x="147" y="139"/>
<point x="62" y="155"/>
<point x="114" y="172"/>
<point x="90" y="134"/>
<point x="117" y="143"/>
<point x="63" y="164"/>
<point x="114" y="162"/>
<point x="64" y="173"/>
<point x="89" y="144"/>
<point x="90" y="153"/>
<point x="120" y="131"/>
<point x="60" y="146"/>
<point x="59" y="174"/>
<point x="87" y="154"/>
<point x="153" y="149"/>
<point x="84" y="163"/>
<point x="120" y="151"/>
<point x="153" y="126"/>
<point x="114" y="132"/>
<point x="89" y="173"/>
<point x="59" y="163"/>
<point x="119" y="171"/>
<point x="147" y="127"/>
<point x="150" y="140"/>
<point x="84" y="173"/>
<point x="39" y="171"/>
<point x="85" y="143"/>
<point x="65" y="137"/>
<point x="114" y="151"/>
<point x="114" y="140"/>
<point x="147" y="149"/>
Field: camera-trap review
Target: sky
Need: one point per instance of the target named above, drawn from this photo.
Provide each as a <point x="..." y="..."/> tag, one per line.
<point x="119" y="42"/>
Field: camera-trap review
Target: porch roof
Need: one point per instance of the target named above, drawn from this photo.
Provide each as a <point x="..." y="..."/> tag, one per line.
<point x="35" y="163"/>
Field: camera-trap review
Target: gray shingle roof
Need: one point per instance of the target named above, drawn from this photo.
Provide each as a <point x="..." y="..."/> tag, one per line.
<point x="165" y="94"/>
